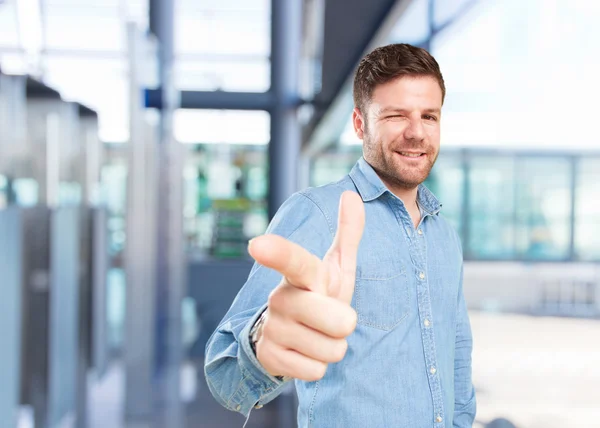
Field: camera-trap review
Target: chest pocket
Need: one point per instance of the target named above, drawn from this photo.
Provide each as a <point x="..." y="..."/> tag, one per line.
<point x="381" y="297"/>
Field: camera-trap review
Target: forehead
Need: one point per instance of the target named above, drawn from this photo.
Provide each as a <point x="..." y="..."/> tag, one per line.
<point x="408" y="92"/>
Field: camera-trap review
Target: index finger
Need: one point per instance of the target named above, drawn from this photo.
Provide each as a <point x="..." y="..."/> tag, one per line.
<point x="300" y="267"/>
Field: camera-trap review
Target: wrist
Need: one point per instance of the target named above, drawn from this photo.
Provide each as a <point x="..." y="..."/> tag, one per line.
<point x="256" y="331"/>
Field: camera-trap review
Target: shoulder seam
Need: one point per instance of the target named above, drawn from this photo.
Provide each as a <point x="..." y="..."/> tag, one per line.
<point x="327" y="219"/>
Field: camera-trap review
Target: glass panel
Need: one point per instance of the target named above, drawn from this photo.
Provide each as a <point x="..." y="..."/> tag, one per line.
<point x="509" y="47"/>
<point x="3" y="192"/>
<point x="98" y="83"/>
<point x="229" y="74"/>
<point x="222" y="126"/>
<point x="491" y="208"/>
<point x="333" y="166"/>
<point x="114" y="195"/>
<point x="9" y="31"/>
<point x="223" y="45"/>
<point x="84" y="27"/>
<point x="225" y="198"/>
<point x="543" y="208"/>
<point x="348" y="136"/>
<point x="224" y="33"/>
<point x="413" y="26"/>
<point x="26" y="192"/>
<point x="446" y="181"/>
<point x="587" y="209"/>
<point x="446" y="10"/>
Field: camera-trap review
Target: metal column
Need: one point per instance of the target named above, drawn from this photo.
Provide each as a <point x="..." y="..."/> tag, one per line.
<point x="284" y="149"/>
<point x="171" y="261"/>
<point x="11" y="271"/>
<point x="139" y="252"/>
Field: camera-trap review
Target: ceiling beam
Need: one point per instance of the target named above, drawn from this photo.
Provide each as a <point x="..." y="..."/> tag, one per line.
<point x="334" y="103"/>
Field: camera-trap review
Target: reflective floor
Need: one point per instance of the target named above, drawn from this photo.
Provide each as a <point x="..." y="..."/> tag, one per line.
<point x="536" y="372"/>
<point x="200" y="410"/>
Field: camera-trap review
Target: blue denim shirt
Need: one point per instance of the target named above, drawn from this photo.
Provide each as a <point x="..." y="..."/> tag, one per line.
<point x="408" y="362"/>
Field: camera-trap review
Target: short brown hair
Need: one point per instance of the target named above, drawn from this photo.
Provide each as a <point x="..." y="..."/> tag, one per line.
<point x="390" y="62"/>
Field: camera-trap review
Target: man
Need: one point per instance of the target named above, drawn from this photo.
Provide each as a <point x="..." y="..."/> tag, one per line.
<point x="367" y="316"/>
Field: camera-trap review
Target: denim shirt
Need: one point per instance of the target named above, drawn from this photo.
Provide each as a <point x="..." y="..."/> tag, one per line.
<point x="408" y="363"/>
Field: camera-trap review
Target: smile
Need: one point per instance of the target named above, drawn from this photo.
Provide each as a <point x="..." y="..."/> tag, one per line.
<point x="411" y="154"/>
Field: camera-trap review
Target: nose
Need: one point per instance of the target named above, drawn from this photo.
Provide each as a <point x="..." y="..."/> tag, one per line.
<point x="414" y="131"/>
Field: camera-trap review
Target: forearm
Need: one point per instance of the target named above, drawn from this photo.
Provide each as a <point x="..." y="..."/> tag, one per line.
<point x="234" y="376"/>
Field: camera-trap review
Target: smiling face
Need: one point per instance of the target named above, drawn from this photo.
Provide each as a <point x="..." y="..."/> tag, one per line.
<point x="400" y="129"/>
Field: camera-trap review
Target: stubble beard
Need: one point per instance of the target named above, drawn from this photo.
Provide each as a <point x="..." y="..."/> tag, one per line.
<point x="389" y="168"/>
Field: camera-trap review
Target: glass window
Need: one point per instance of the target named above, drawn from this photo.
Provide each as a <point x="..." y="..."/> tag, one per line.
<point x="231" y="73"/>
<point x="543" y="208"/>
<point x="333" y="166"/>
<point x="108" y="95"/>
<point x="491" y="204"/>
<point x="225" y="198"/>
<point x="587" y="210"/>
<point x="223" y="45"/>
<point x="222" y="126"/>
<point x="3" y="192"/>
<point x="225" y="179"/>
<point x="413" y="26"/>
<point x="84" y="27"/>
<point x="9" y="30"/>
<point x="446" y="10"/>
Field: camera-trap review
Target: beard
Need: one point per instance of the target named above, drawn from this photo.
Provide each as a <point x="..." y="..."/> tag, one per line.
<point x="392" y="168"/>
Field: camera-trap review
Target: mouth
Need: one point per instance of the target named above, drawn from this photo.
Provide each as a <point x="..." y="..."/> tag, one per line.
<point x="412" y="155"/>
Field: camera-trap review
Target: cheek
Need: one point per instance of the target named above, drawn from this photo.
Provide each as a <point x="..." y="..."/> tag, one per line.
<point x="390" y="133"/>
<point x="433" y="135"/>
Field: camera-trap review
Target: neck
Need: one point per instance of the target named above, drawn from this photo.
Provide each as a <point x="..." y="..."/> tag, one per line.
<point x="408" y="196"/>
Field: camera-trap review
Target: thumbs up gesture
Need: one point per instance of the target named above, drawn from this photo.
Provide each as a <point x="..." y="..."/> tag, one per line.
<point x="309" y="314"/>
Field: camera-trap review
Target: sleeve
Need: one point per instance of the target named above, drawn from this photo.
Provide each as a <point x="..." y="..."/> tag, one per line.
<point x="234" y="376"/>
<point x="464" y="392"/>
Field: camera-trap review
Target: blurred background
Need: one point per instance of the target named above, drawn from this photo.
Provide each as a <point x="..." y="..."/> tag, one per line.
<point x="144" y="142"/>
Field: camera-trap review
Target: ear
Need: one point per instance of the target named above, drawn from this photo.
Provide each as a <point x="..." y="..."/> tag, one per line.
<point x="358" y="122"/>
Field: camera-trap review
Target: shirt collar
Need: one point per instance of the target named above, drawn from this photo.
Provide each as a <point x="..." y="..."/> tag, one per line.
<point x="370" y="187"/>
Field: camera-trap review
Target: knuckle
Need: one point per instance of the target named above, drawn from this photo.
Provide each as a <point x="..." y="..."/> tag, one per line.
<point x="277" y="298"/>
<point x="318" y="371"/>
<point x="263" y="354"/>
<point x="272" y="329"/>
<point x="348" y="324"/>
<point x="339" y="350"/>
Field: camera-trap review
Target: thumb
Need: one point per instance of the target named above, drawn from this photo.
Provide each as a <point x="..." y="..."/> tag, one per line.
<point x="341" y="257"/>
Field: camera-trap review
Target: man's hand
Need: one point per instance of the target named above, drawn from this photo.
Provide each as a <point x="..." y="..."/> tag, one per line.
<point x="309" y="314"/>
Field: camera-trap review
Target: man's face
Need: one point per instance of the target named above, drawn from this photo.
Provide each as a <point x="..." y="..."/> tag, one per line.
<point x="401" y="130"/>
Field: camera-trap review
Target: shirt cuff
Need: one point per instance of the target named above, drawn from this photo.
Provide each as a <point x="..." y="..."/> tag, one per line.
<point x="261" y="386"/>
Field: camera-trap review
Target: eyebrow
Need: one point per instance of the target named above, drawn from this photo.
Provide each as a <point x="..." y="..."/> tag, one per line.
<point x="402" y="110"/>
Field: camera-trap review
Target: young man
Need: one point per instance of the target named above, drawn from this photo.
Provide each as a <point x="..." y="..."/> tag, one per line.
<point x="366" y="314"/>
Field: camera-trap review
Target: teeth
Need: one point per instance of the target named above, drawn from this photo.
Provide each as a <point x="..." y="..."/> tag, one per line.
<point x="411" y="155"/>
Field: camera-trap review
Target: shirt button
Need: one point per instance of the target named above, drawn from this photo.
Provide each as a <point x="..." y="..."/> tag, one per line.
<point x="439" y="419"/>
<point x="422" y="275"/>
<point x="420" y="232"/>
<point x="258" y="406"/>
<point x="432" y="370"/>
<point x="426" y="323"/>
<point x="238" y="407"/>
